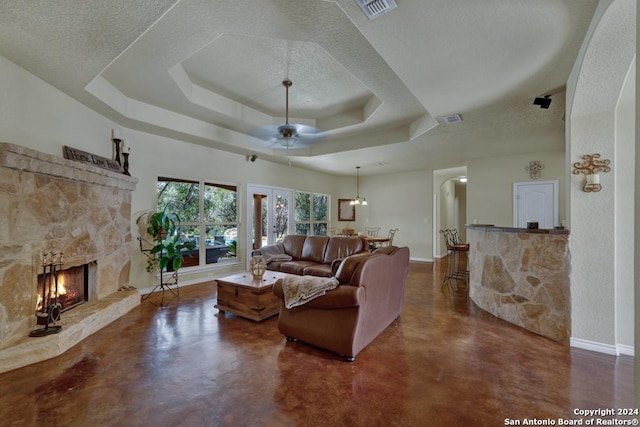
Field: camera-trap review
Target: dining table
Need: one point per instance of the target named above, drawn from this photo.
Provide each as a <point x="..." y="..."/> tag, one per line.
<point x="375" y="241"/>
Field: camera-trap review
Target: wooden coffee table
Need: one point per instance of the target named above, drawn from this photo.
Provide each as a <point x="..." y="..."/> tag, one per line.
<point x="240" y="294"/>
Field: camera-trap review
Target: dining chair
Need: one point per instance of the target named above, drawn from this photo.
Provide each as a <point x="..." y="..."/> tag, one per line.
<point x="372" y="231"/>
<point x="391" y="235"/>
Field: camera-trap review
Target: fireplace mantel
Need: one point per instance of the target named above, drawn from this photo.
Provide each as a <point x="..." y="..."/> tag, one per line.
<point x="48" y="203"/>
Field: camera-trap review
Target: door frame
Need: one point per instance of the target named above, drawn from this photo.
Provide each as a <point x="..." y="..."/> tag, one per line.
<point x="518" y="185"/>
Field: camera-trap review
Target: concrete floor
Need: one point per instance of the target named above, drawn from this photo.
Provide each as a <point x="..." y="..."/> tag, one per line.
<point x="445" y="362"/>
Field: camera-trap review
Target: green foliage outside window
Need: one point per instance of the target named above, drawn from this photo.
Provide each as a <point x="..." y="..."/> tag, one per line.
<point x="208" y="214"/>
<point x="311" y="213"/>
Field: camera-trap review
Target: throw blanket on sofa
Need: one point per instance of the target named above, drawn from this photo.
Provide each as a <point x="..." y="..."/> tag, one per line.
<point x="298" y="290"/>
<point x="274" y="253"/>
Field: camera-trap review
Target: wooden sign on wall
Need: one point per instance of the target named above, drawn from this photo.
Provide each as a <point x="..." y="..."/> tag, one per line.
<point x="92" y="159"/>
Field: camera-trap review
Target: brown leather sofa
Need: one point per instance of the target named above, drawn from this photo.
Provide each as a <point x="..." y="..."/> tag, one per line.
<point x="345" y="320"/>
<point x="315" y="255"/>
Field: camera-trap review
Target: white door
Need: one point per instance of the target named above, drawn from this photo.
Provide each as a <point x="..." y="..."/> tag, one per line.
<point x="535" y="202"/>
<point x="269" y="215"/>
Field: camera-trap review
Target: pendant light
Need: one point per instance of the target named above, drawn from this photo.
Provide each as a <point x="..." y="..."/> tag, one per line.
<point x="357" y="200"/>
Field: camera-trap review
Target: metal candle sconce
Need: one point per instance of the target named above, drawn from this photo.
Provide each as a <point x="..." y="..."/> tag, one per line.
<point x="591" y="167"/>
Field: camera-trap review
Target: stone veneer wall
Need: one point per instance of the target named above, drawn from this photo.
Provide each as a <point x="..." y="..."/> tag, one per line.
<point x="48" y="203"/>
<point x="523" y="278"/>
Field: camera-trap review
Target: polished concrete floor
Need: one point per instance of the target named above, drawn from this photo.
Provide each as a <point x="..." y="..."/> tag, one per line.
<point x="443" y="363"/>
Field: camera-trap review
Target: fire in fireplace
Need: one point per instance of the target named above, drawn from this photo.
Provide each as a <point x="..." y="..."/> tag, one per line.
<point x="72" y="284"/>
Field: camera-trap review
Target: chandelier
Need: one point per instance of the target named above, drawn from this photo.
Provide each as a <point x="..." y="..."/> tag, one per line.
<point x="357" y="200"/>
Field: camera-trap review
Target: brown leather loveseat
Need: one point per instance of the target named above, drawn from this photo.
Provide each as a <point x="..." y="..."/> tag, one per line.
<point x="311" y="255"/>
<point x="369" y="297"/>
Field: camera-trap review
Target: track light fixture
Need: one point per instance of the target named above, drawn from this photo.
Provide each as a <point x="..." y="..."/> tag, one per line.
<point x="543" y="102"/>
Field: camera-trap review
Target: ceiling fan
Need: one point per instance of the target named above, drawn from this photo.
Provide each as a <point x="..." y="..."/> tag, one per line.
<point x="288" y="135"/>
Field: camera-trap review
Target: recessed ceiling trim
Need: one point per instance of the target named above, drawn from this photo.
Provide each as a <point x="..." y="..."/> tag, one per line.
<point x="215" y="102"/>
<point x="421" y="126"/>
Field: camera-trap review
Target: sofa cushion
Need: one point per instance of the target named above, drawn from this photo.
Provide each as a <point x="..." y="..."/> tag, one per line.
<point x="295" y="267"/>
<point x="293" y="244"/>
<point x="387" y="250"/>
<point x="349" y="266"/>
<point x="313" y="249"/>
<point x="320" y="270"/>
<point x="342" y="247"/>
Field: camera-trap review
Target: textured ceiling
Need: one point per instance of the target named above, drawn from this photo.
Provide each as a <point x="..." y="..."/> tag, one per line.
<point x="377" y="90"/>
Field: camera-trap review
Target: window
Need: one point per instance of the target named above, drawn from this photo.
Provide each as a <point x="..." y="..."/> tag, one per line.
<point x="311" y="213"/>
<point x="208" y="214"/>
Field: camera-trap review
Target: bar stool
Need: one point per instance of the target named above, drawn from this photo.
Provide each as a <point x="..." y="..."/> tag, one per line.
<point x="455" y="249"/>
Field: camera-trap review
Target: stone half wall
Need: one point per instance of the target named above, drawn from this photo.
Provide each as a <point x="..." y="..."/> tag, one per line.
<point x="49" y="203"/>
<point x="523" y="278"/>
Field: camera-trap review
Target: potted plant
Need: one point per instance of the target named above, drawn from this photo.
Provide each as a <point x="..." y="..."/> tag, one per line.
<point x="166" y="246"/>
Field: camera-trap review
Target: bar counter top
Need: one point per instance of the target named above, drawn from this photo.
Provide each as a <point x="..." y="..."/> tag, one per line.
<point x="489" y="227"/>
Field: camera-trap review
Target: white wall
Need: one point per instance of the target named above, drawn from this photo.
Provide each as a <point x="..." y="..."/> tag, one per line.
<point x="402" y="201"/>
<point x="490" y="185"/>
<point x="624" y="208"/>
<point x="599" y="120"/>
<point x="36" y="115"/>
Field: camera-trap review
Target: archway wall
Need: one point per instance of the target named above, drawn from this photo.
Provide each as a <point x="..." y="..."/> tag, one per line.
<point x="596" y="220"/>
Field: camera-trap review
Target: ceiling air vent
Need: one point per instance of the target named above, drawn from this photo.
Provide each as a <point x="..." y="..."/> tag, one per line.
<point x="375" y="8"/>
<point x="452" y="119"/>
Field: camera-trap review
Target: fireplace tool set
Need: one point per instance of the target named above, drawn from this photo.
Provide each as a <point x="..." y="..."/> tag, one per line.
<point x="50" y="309"/>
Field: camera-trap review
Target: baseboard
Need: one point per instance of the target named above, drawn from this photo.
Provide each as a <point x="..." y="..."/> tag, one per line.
<point x="627" y="350"/>
<point x="615" y="350"/>
<point x="421" y="259"/>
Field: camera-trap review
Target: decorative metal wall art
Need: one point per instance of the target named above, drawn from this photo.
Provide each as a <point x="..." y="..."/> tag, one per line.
<point x="591" y="167"/>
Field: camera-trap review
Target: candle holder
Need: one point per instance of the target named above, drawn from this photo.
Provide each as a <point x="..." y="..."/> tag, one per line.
<point x="126" y="164"/>
<point x="591" y="167"/>
<point x="116" y="142"/>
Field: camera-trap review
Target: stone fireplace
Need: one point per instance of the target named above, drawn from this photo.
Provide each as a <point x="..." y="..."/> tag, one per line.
<point x="48" y="203"/>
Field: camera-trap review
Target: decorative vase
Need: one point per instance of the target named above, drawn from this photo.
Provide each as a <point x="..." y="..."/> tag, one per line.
<point x="257" y="267"/>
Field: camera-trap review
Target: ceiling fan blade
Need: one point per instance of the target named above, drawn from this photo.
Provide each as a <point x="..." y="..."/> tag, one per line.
<point x="264" y="132"/>
<point x="287" y="135"/>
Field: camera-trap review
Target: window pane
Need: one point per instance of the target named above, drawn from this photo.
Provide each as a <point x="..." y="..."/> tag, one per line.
<point x="303" y="207"/>
<point x="189" y="234"/>
<point x="303" y="228"/>
<point x="320" y="207"/>
<point x="220" y="203"/>
<point x="320" y="228"/>
<point x="220" y="243"/>
<point x="282" y="217"/>
<point x="214" y="231"/>
<point x="180" y="198"/>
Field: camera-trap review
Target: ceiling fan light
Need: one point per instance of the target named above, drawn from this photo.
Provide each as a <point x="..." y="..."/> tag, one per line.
<point x="287" y="141"/>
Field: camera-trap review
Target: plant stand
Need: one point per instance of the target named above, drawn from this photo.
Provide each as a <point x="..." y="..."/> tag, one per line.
<point x="168" y="282"/>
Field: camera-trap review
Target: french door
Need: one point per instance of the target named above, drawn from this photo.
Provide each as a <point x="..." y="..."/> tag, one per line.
<point x="269" y="215"/>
